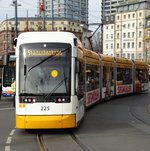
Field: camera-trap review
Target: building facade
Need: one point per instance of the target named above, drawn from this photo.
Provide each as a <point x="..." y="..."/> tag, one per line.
<point x="7" y="30"/>
<point x="126" y="34"/>
<point x="67" y="9"/>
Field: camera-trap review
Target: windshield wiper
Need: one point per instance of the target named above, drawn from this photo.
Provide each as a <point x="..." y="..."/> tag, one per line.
<point x="55" y="88"/>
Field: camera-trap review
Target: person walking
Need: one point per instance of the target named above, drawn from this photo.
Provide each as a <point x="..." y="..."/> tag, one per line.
<point x="13" y="88"/>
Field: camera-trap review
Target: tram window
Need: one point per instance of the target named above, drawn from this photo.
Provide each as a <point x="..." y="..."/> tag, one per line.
<point x="127" y="76"/>
<point x="92" y="77"/>
<point x="124" y="76"/>
<point x="119" y="74"/>
<point x="81" y="81"/>
<point x="142" y="75"/>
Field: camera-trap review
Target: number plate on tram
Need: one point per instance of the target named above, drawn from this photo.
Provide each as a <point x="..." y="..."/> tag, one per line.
<point x="45" y="108"/>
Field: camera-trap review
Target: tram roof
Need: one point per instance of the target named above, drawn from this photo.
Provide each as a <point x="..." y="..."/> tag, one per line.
<point x="33" y="37"/>
<point x="123" y="60"/>
<point x="107" y="58"/>
<point x="140" y="64"/>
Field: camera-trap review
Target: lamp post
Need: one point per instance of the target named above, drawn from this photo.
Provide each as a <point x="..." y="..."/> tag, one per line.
<point x="14" y="3"/>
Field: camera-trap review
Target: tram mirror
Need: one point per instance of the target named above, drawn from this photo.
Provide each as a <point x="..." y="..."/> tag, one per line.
<point x="77" y="66"/>
<point x="15" y="42"/>
<point x="75" y="41"/>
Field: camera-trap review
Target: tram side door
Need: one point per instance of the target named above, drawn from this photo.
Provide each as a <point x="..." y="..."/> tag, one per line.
<point x="107" y="82"/>
<point x="80" y="87"/>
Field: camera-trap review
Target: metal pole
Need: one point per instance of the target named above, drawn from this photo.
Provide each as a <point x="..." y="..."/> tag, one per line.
<point x="43" y="15"/>
<point x="16" y="19"/>
<point x="5" y="57"/>
<point x="52" y="16"/>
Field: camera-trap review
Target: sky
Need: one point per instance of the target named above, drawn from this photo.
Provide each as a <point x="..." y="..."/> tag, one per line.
<point x="31" y="6"/>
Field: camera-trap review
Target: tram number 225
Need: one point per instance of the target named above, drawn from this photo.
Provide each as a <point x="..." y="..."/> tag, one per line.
<point x="45" y="108"/>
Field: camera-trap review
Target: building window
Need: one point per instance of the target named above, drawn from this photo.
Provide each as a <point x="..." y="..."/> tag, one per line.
<point x="128" y="45"/>
<point x="140" y="14"/>
<point x="133" y="15"/>
<point x="124" y="55"/>
<point x="124" y="16"/>
<point x="128" y="34"/>
<point x="133" y="25"/>
<point x="118" y="17"/>
<point x="140" y="44"/>
<point x="117" y="35"/>
<point x="112" y="18"/>
<point x="111" y="46"/>
<point x="132" y="55"/>
<point x="128" y="16"/>
<point x="148" y="23"/>
<point x="124" y="45"/>
<point x="111" y="36"/>
<point x="124" y="35"/>
<point x="128" y="56"/>
<point x="107" y="18"/>
<point x="132" y="44"/>
<point x="106" y="46"/>
<point x="117" y="45"/>
<point x="140" y="33"/>
<point x="128" y="25"/>
<point x="106" y="36"/>
<point x="140" y="55"/>
<point x="133" y="34"/>
<point x="140" y="24"/>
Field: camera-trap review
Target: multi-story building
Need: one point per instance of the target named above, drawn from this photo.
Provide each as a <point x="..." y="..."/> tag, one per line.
<point x="109" y="7"/>
<point x="125" y="37"/>
<point x="147" y="39"/>
<point x="67" y="9"/>
<point x="7" y="30"/>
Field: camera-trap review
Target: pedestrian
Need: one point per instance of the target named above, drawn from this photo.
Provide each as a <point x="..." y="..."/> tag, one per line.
<point x="0" y="88"/>
<point x="13" y="88"/>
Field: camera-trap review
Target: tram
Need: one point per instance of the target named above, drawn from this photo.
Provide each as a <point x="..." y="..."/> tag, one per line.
<point x="57" y="79"/>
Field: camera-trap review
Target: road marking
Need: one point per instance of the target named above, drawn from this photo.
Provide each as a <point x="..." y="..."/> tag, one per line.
<point x="7" y="148"/>
<point x="3" y="109"/>
<point x="12" y="132"/>
<point x="9" y="140"/>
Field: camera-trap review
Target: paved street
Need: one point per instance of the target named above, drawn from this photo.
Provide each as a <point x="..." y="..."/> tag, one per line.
<point x="122" y="124"/>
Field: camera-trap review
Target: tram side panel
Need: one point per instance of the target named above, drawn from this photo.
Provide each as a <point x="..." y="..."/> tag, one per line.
<point x="124" y="80"/>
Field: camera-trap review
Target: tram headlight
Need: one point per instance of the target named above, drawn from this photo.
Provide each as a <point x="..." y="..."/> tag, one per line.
<point x="62" y="100"/>
<point x="29" y="100"/>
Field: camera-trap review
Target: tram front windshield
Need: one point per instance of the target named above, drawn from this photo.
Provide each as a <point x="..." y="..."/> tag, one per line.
<point x="44" y="69"/>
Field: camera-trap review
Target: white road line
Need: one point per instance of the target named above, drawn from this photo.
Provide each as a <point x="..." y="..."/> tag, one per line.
<point x="3" y="109"/>
<point x="7" y="148"/>
<point x="12" y="132"/>
<point x="9" y="140"/>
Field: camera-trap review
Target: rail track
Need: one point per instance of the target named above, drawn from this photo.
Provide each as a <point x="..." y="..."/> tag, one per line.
<point x="43" y="147"/>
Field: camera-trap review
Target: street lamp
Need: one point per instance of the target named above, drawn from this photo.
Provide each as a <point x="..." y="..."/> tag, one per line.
<point x="14" y="3"/>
